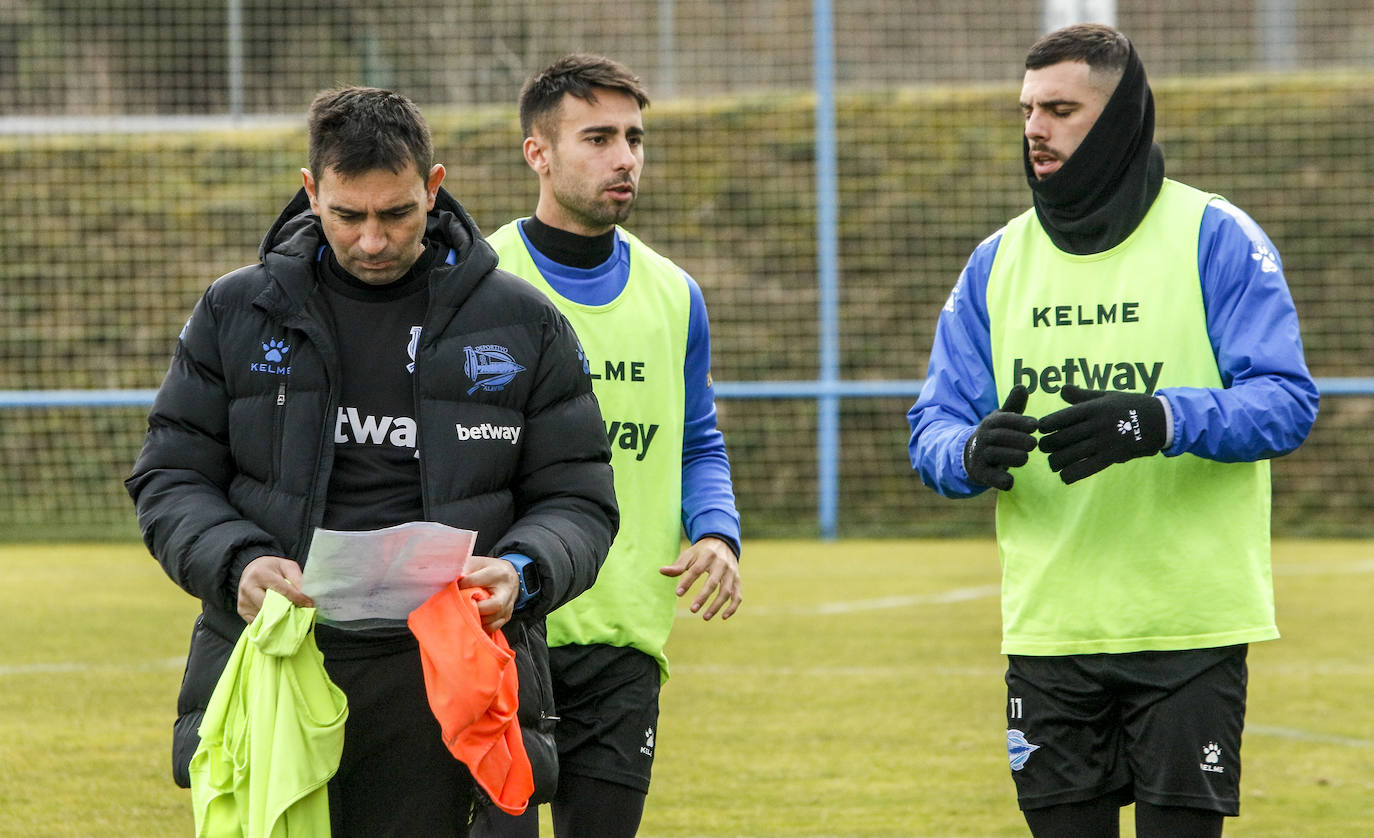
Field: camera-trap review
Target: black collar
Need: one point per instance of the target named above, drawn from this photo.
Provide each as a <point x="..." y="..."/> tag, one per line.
<point x="569" y="248"/>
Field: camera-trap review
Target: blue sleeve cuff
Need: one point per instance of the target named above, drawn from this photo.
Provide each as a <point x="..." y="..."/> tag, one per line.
<point x="528" y="573"/>
<point x="719" y="523"/>
<point x="732" y="543"/>
<point x="1168" y="423"/>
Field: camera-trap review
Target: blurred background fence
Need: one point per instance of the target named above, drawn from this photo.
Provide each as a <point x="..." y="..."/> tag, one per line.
<point x="145" y="147"/>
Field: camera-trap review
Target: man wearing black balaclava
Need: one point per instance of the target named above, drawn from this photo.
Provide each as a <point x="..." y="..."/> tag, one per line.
<point x="1149" y="327"/>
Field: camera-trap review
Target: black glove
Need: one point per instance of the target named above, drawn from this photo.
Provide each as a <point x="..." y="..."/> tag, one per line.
<point x="1002" y="441"/>
<point x="1100" y="428"/>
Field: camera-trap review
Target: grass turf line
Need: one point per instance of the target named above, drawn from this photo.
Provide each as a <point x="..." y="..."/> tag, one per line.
<point x="857" y="694"/>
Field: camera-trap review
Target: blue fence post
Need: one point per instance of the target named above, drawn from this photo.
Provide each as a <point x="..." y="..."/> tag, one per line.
<point x="827" y="255"/>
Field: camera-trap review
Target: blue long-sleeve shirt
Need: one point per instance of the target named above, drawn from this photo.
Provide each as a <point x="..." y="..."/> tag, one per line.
<point x="1268" y="399"/>
<point x="708" y="497"/>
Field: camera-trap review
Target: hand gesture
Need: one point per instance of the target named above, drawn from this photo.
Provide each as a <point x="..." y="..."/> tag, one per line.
<point x="269" y="573"/>
<point x="712" y="559"/>
<point x="1099" y="429"/>
<point x="1001" y="442"/>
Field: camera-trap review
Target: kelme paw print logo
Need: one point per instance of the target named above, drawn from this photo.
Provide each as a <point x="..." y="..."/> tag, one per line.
<point x="275" y="349"/>
<point x="1268" y="261"/>
<point x="1212" y="753"/>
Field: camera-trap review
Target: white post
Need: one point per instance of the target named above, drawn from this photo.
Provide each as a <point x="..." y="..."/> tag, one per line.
<point x="1277" y="21"/>
<point x="235" y="39"/>
<point x="1060" y="13"/>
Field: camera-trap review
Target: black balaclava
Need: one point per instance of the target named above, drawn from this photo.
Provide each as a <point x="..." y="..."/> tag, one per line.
<point x="1100" y="194"/>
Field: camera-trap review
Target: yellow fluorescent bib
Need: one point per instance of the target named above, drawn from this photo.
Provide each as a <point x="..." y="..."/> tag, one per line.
<point x="1158" y="553"/>
<point x="272" y="734"/>
<point x="636" y="346"/>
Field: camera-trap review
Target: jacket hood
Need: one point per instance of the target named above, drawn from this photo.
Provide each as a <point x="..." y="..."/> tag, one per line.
<point x="295" y="238"/>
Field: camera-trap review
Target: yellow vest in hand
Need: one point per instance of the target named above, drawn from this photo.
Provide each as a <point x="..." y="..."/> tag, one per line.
<point x="272" y="734"/>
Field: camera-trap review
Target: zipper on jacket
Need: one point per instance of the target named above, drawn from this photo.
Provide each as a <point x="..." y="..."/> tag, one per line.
<point x="543" y="690"/>
<point x="278" y="423"/>
<point x="317" y="491"/>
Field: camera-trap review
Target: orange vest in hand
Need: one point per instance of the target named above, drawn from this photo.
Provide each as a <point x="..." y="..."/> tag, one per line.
<point x="471" y="684"/>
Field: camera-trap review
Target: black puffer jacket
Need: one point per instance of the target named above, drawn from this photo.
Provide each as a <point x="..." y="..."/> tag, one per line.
<point x="240" y="443"/>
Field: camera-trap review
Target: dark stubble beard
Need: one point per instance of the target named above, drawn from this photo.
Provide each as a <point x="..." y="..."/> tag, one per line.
<point x="596" y="214"/>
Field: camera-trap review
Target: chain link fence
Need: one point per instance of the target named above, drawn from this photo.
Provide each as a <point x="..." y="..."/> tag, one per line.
<point x="145" y="147"/>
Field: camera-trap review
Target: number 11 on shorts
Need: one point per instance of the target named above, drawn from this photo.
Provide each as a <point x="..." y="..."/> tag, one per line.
<point x="1014" y="708"/>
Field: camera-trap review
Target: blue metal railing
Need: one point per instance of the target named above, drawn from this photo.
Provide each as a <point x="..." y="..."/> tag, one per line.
<point x="796" y="389"/>
<point x="826" y="393"/>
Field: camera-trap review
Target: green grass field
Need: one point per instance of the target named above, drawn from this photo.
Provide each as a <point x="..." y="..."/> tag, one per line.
<point x="857" y="693"/>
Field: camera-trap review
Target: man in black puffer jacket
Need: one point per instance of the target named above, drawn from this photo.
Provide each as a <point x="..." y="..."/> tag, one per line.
<point x="376" y="368"/>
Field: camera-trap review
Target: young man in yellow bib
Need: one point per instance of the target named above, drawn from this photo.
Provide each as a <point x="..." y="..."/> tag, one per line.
<point x="1143" y="347"/>
<point x="643" y="324"/>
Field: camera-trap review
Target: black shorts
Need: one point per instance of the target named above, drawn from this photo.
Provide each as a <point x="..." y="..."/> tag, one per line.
<point x="607" y="704"/>
<point x="1161" y="727"/>
<point x="396" y="776"/>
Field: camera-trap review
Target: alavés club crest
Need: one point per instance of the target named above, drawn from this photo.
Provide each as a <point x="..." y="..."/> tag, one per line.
<point x="489" y="367"/>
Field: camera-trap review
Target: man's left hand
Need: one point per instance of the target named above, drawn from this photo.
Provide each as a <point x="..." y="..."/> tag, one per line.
<point x="499" y="578"/>
<point x="1099" y="429"/>
<point x="713" y="559"/>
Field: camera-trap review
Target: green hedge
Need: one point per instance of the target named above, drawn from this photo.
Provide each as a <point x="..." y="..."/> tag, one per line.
<point x="112" y="237"/>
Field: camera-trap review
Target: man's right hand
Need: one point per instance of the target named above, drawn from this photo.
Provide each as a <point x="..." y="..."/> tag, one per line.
<point x="1001" y="442"/>
<point x="269" y="572"/>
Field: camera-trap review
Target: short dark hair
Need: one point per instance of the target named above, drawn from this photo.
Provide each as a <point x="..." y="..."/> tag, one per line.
<point x="1100" y="47"/>
<point x="578" y="74"/>
<point x="354" y="130"/>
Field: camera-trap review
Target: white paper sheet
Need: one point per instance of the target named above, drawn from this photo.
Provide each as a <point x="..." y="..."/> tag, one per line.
<point x="377" y="577"/>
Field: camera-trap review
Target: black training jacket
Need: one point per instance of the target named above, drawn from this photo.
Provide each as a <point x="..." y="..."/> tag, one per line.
<point x="240" y="443"/>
